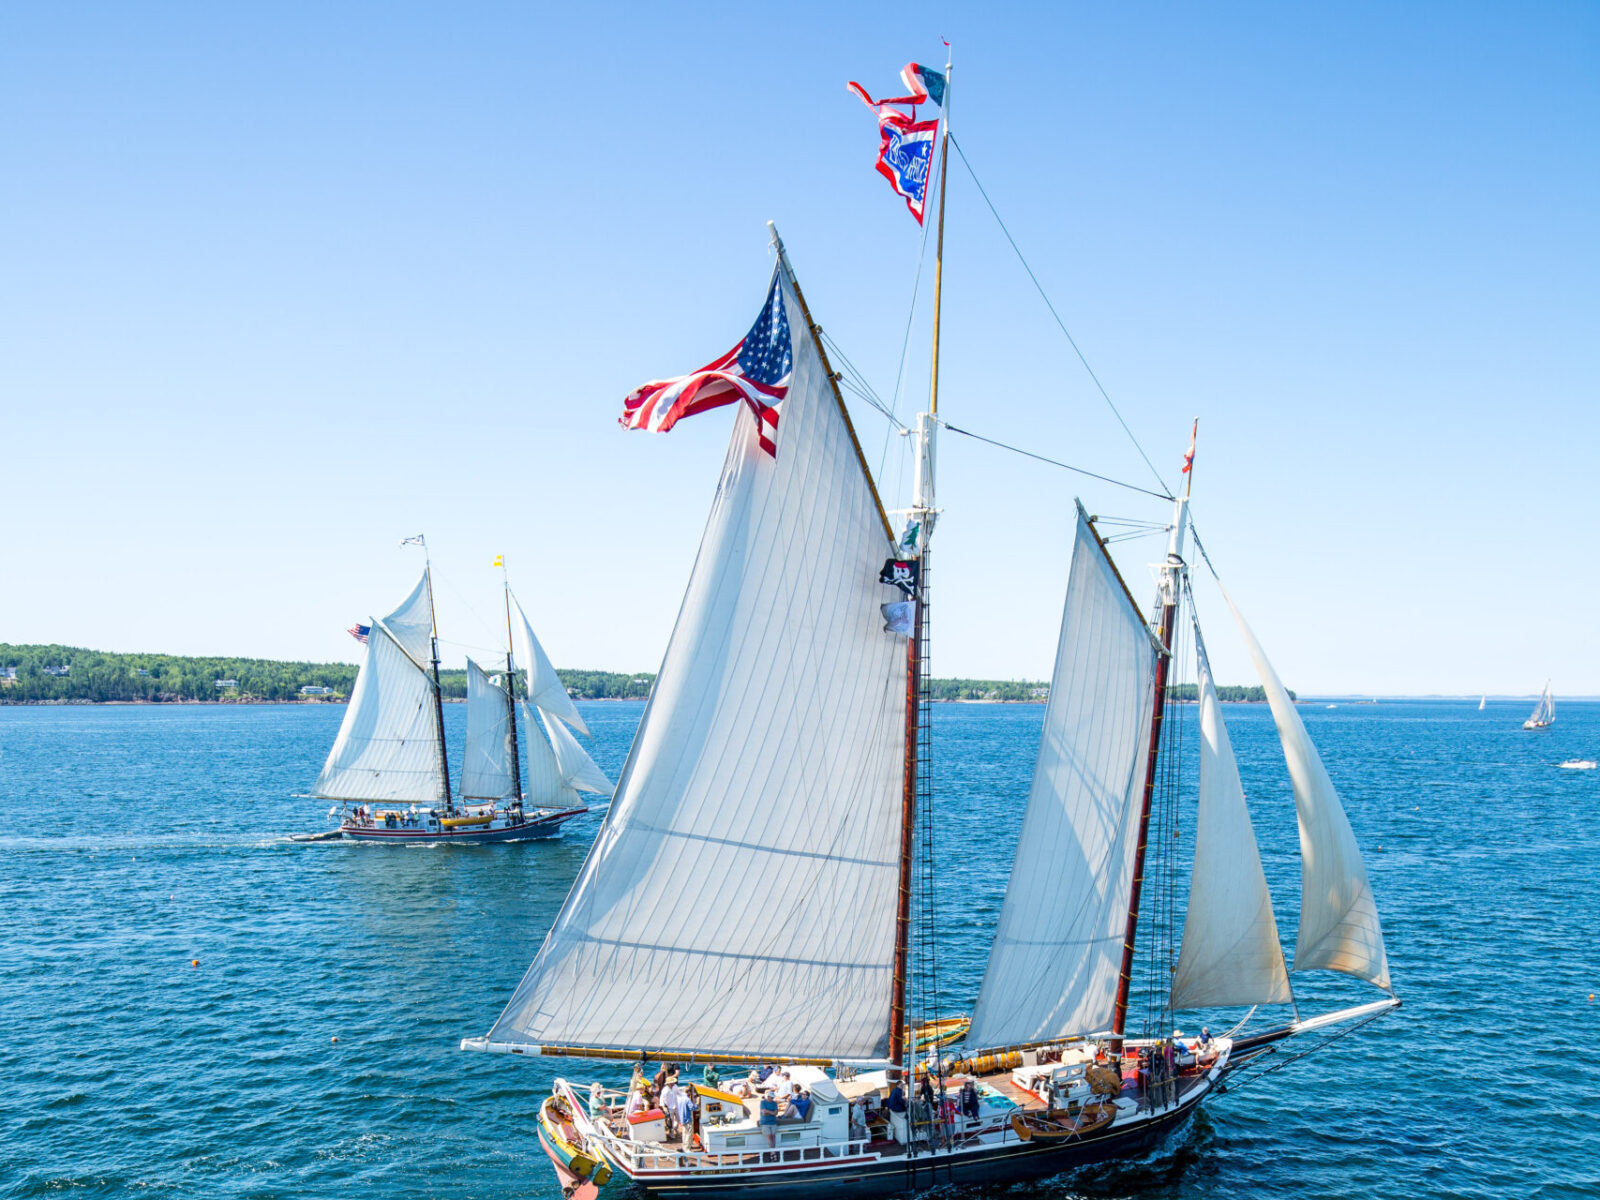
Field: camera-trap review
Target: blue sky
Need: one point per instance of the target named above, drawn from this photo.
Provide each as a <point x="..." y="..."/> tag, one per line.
<point x="284" y="283"/>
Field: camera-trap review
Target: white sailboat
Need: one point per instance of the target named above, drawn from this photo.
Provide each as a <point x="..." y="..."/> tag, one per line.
<point x="1544" y="712"/>
<point x="749" y="899"/>
<point x="1483" y="702"/>
<point x="389" y="768"/>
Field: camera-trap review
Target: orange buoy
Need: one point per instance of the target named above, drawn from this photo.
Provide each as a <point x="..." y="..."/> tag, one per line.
<point x="194" y="962"/>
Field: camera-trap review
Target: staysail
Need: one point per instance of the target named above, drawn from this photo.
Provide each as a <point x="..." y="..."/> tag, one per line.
<point x="740" y="897"/>
<point x="1339" y="929"/>
<point x="388" y="744"/>
<point x="1057" y="951"/>
<point x="578" y="771"/>
<point x="1230" y="953"/>
<point x="544" y="686"/>
<point x="486" y="772"/>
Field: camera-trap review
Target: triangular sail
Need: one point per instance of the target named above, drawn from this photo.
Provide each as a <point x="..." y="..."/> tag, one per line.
<point x="543" y="784"/>
<point x="1544" y="712"/>
<point x="740" y="898"/>
<point x="486" y="766"/>
<point x="544" y="686"/>
<point x="1339" y="929"/>
<point x="411" y="625"/>
<point x="1057" y="951"/>
<point x="1231" y="953"/>
<point x="578" y="770"/>
<point x="387" y="750"/>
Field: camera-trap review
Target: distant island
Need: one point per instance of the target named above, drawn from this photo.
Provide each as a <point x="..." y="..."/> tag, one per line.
<point x="70" y="674"/>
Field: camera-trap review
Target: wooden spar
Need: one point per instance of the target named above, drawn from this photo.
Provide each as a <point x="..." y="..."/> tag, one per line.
<point x="908" y="826"/>
<point x="511" y="699"/>
<point x="1169" y="618"/>
<point x="438" y="694"/>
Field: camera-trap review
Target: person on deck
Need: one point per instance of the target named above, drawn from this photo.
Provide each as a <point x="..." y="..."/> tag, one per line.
<point x="636" y="1101"/>
<point x="767" y="1120"/>
<point x="799" y="1104"/>
<point x="669" y="1105"/>
<point x="896" y="1104"/>
<point x="686" y="1107"/>
<point x="710" y="1076"/>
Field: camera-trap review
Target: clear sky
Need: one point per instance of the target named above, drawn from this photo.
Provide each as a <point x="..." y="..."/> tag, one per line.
<point x="281" y="284"/>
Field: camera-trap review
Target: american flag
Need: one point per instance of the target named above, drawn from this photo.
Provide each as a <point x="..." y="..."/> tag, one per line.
<point x="755" y="371"/>
<point x="360" y="633"/>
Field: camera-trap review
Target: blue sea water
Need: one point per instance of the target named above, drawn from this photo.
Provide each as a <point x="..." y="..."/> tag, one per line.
<point x="312" y="1050"/>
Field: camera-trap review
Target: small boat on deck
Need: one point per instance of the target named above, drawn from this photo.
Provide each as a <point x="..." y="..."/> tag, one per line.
<point x="389" y="769"/>
<point x="575" y="1163"/>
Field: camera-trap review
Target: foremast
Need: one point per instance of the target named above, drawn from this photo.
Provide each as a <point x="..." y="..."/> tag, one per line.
<point x="438" y="692"/>
<point x="1168" y="588"/>
<point x="511" y="695"/>
<point x="920" y="519"/>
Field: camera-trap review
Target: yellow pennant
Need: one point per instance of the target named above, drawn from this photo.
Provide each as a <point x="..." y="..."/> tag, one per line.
<point x="499" y="560"/>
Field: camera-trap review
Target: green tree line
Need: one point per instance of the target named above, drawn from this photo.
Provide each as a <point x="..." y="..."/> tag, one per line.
<point x="96" y="676"/>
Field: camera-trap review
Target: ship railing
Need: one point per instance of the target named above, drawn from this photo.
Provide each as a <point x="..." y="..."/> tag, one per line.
<point x="646" y="1156"/>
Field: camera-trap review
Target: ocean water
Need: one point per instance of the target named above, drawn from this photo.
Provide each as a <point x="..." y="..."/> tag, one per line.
<point x="312" y="1050"/>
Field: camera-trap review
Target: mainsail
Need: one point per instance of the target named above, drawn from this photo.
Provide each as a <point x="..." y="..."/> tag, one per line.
<point x="1339" y="929"/>
<point x="388" y="745"/>
<point x="1544" y="713"/>
<point x="740" y="896"/>
<point x="1057" y="951"/>
<point x="486" y="772"/>
<point x="1231" y="953"/>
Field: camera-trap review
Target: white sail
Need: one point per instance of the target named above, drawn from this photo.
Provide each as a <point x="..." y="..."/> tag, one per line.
<point x="388" y="746"/>
<point x="1231" y="953"/>
<point x="1057" y="951"/>
<point x="1483" y="703"/>
<point x="1544" y="712"/>
<point x="411" y="625"/>
<point x="1339" y="929"/>
<point x="543" y="784"/>
<point x="545" y="688"/>
<point x="578" y="770"/>
<point x="486" y="765"/>
<point x="740" y="897"/>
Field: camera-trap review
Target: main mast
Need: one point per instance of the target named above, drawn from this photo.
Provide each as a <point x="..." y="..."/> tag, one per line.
<point x="438" y="694"/>
<point x="922" y="515"/>
<point x="511" y="697"/>
<point x="1168" y="595"/>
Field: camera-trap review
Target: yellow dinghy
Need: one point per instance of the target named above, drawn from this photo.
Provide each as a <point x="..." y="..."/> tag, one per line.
<point x="940" y="1033"/>
<point x="565" y="1146"/>
<point x="462" y="822"/>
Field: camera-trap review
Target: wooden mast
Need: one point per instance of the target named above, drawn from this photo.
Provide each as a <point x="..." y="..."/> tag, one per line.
<point x="438" y="695"/>
<point x="1169" y="618"/>
<point x="511" y="696"/>
<point x="924" y="512"/>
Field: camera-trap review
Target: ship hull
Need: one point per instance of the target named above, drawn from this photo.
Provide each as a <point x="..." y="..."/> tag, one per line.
<point x="873" y="1176"/>
<point x="541" y="826"/>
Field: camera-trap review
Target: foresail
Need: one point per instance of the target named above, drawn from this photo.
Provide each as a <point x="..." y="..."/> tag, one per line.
<point x="1057" y="951"/>
<point x="545" y="688"/>
<point x="388" y="745"/>
<point x="578" y="770"/>
<point x="486" y="765"/>
<point x="740" y="897"/>
<point x="1230" y="953"/>
<point x="411" y="625"/>
<point x="542" y="783"/>
<point x="1339" y="929"/>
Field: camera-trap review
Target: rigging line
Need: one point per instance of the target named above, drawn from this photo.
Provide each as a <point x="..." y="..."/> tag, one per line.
<point x="854" y="381"/>
<point x="1132" y="487"/>
<point x="1278" y="1066"/>
<point x="1060" y="324"/>
<point x="1201" y="546"/>
<point x="905" y="342"/>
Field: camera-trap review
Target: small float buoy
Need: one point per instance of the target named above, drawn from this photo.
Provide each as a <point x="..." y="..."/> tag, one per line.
<point x="336" y="1040"/>
<point x="194" y="962"/>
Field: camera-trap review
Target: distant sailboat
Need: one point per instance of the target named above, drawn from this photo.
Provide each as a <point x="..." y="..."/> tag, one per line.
<point x="1483" y="702"/>
<point x="1544" y="713"/>
<point x="389" y="768"/>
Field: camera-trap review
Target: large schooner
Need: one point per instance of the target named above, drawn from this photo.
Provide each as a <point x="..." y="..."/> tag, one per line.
<point x="748" y="902"/>
<point x="389" y="769"/>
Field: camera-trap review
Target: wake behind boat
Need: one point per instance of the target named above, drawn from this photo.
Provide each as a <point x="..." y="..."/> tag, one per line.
<point x="389" y="768"/>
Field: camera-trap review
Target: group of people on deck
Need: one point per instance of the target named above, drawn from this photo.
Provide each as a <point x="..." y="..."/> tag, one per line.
<point x="777" y="1097"/>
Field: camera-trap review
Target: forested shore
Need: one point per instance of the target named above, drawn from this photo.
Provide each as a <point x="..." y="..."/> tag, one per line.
<point x="56" y="674"/>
